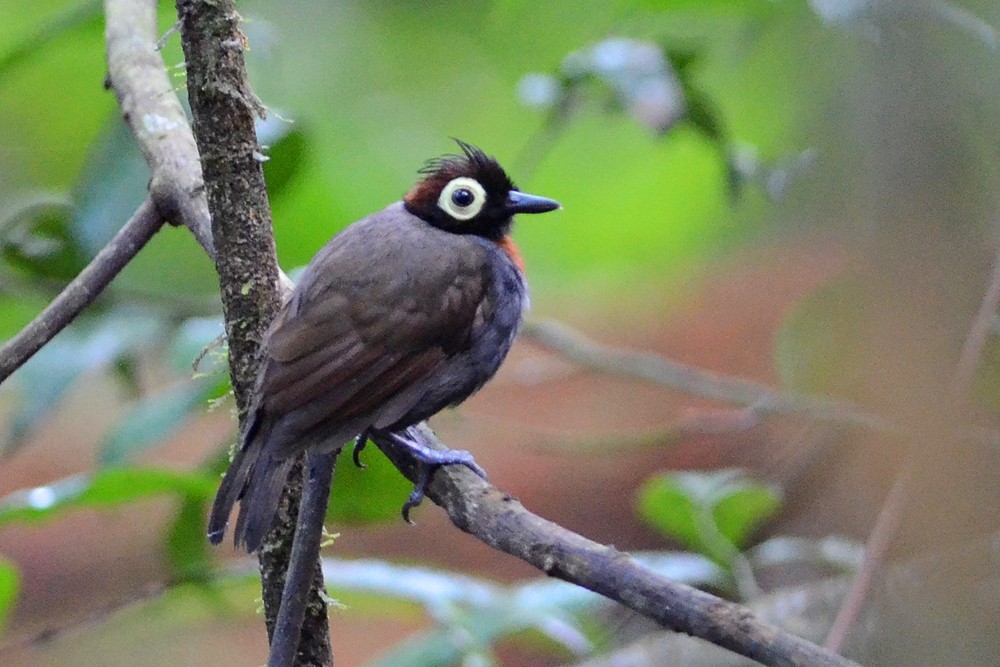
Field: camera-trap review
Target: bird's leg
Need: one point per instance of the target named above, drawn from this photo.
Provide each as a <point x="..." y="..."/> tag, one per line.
<point x="360" y="443"/>
<point x="428" y="460"/>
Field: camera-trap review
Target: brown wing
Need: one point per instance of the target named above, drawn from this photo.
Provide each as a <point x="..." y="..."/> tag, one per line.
<point x="378" y="311"/>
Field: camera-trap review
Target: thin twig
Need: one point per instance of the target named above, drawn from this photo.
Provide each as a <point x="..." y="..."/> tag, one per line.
<point x="697" y="422"/>
<point x="137" y="74"/>
<point x="83" y="290"/>
<point x="879" y="541"/>
<point x="695" y="381"/>
<point x="304" y="559"/>
<point x="759" y="399"/>
<point x="48" y="635"/>
<point x="972" y="350"/>
<point x="149" y="104"/>
<point x="503" y="523"/>
<point x="890" y="514"/>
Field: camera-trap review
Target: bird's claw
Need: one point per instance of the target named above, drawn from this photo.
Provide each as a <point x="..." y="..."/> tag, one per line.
<point x="417" y="494"/>
<point x="429" y="460"/>
<point x="360" y="443"/>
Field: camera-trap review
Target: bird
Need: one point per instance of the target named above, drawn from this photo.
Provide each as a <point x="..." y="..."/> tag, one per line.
<point x="404" y="313"/>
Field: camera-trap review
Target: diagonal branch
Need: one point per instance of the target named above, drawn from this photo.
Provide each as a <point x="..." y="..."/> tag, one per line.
<point x="695" y="381"/>
<point x="137" y="74"/>
<point x="890" y="515"/>
<point x="149" y="104"/>
<point x="979" y="332"/>
<point x="83" y="290"/>
<point x="887" y="523"/>
<point x="146" y="97"/>
<point x="504" y="524"/>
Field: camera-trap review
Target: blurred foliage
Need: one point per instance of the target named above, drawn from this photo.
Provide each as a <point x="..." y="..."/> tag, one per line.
<point x="106" y="488"/>
<point x="671" y="131"/>
<point x="375" y="492"/>
<point x="187" y="549"/>
<point x="151" y="419"/>
<point x="93" y="344"/>
<point x="470" y="615"/>
<point x="10" y="581"/>
<point x="712" y="513"/>
<point x="35" y="239"/>
<point x="819" y="346"/>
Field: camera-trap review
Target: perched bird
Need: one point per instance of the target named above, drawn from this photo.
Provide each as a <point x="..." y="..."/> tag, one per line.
<point x="403" y="313"/>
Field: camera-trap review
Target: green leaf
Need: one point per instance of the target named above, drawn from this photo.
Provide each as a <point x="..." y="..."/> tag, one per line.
<point x="667" y="506"/>
<point x="35" y="238"/>
<point x="151" y="419"/>
<point x="713" y="513"/>
<point x="375" y="493"/>
<point x="10" y="583"/>
<point x="486" y="612"/>
<point x="108" y="488"/>
<point x="112" y="185"/>
<point x="186" y="546"/>
<point x="745" y="507"/>
<point x="820" y="344"/>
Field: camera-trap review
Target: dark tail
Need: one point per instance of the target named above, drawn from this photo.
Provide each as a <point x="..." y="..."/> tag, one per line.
<point x="260" y="501"/>
<point x="255" y="480"/>
<point x="233" y="486"/>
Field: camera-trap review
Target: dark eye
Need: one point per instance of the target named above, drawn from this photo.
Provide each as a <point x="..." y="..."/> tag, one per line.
<point x="462" y="197"/>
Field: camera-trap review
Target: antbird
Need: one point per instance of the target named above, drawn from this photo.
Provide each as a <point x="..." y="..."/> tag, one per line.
<point x="403" y="313"/>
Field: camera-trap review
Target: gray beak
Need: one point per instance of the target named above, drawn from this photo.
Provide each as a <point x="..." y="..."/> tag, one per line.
<point x="519" y="202"/>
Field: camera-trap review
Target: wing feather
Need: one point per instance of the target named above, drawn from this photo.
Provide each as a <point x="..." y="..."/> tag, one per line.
<point x="353" y="338"/>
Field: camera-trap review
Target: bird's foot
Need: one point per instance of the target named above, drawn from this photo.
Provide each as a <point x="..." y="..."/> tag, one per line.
<point x="428" y="460"/>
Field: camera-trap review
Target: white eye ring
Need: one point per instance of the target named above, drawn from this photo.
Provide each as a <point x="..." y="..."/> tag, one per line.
<point x="471" y="186"/>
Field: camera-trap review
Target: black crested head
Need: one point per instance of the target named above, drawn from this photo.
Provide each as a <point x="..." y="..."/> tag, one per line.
<point x="470" y="194"/>
<point x="473" y="163"/>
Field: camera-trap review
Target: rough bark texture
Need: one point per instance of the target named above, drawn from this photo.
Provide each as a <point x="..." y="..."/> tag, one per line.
<point x="224" y="110"/>
<point x="274" y="559"/>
